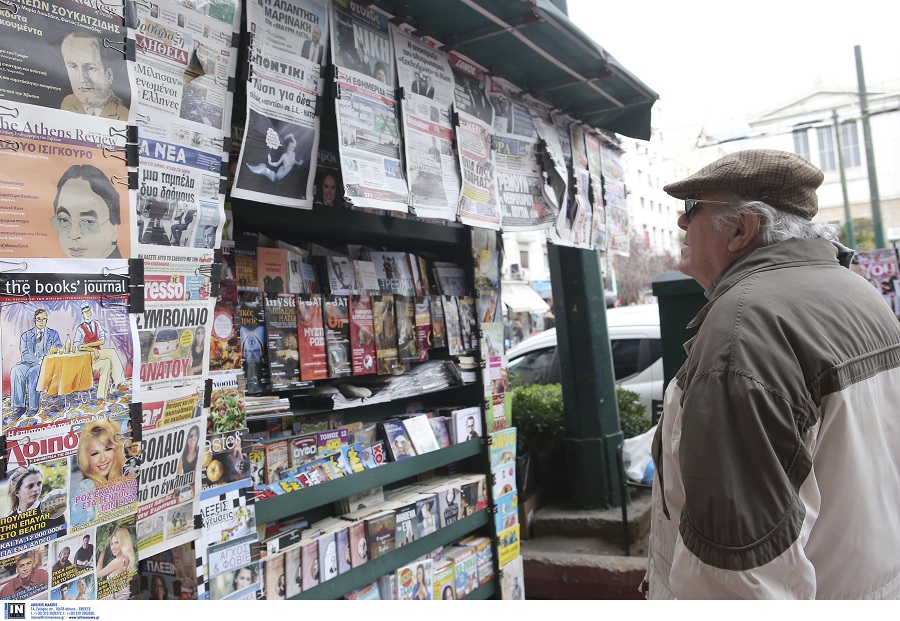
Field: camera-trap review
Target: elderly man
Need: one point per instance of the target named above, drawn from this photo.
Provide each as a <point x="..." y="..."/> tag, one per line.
<point x="91" y="78"/>
<point x="778" y="474"/>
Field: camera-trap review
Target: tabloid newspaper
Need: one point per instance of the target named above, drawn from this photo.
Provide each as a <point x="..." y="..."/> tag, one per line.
<point x="298" y="28"/>
<point x="183" y="64"/>
<point x="177" y="317"/>
<point x="598" y="218"/>
<point x="423" y="73"/>
<point x="40" y="40"/>
<point x="552" y="159"/>
<point x="173" y="433"/>
<point x="368" y="125"/>
<point x="573" y="224"/>
<point x="56" y="174"/>
<point x="617" y="218"/>
<point x="277" y="163"/>
<point x="226" y="11"/>
<point x="478" y="204"/>
<point x="517" y="170"/>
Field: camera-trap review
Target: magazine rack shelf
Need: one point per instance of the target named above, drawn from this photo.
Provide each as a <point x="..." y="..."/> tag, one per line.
<point x="311" y="497"/>
<point x="371" y="570"/>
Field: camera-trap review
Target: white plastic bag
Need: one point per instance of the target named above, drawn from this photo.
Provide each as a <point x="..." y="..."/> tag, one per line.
<point x="636" y="457"/>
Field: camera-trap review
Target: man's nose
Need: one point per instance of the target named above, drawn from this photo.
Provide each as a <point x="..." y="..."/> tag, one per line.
<point x="683" y="221"/>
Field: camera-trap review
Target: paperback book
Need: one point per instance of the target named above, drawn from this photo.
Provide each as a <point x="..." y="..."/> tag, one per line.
<point x="272" y="271"/>
<point x="424" y="338"/>
<point x="366" y="279"/>
<point x="393" y="272"/>
<point x="311" y="338"/>
<point x="451" y="323"/>
<point x="337" y="335"/>
<point x="396" y="439"/>
<point x="420" y="433"/>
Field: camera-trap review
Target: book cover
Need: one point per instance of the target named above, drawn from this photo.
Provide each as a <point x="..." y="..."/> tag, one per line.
<point x="507" y="514"/>
<point x="293" y="572"/>
<point x="504" y="479"/>
<point x="512" y="579"/>
<point x="368" y="592"/>
<point x="451" y="280"/>
<point x="385" y="334"/>
<point x="404" y="307"/>
<point x="396" y="440"/>
<point x="272" y="270"/>
<point x="304" y="449"/>
<point x="225" y="336"/>
<point x="359" y="545"/>
<point x="228" y="275"/>
<point x="282" y="344"/>
<point x="342" y="539"/>
<point x="341" y="277"/>
<point x="331" y="441"/>
<point x="381" y="531"/>
<point x="328" y="565"/>
<point x="362" y="335"/>
<point x="309" y="564"/>
<point x="311" y="338"/>
<point x="438" y="331"/>
<point x="465" y="570"/>
<point x="365" y="435"/>
<point x="422" y="315"/>
<point x="488" y="308"/>
<point x="406" y="524"/>
<point x="466" y="424"/>
<point x="245" y="261"/>
<point x="375" y="455"/>
<point x="425" y="274"/>
<point x="483" y="556"/>
<point x="440" y="430"/>
<point x="444" y="579"/>
<point x="366" y="279"/>
<point x="274" y="578"/>
<point x="296" y="283"/>
<point x="448" y="504"/>
<point x="427" y="520"/>
<point x="364" y="499"/>
<point x="503" y="447"/>
<point x="393" y="272"/>
<point x="508" y="545"/>
<point x="471" y="493"/>
<point x="310" y="278"/>
<point x="336" y="316"/>
<point x="254" y="342"/>
<point x="278" y="459"/>
<point x="257" y="456"/>
<point x="420" y="433"/>
<point x="467" y="326"/>
<point x="451" y="324"/>
<point x="415" y="581"/>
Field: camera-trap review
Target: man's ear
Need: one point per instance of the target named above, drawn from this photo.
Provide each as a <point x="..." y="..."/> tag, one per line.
<point x="745" y="235"/>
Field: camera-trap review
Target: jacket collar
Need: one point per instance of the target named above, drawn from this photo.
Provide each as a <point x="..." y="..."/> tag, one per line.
<point x="788" y="253"/>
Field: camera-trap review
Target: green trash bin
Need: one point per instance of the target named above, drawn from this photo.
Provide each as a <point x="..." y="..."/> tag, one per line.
<point x="680" y="299"/>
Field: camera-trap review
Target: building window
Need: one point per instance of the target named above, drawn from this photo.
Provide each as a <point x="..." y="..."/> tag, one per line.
<point x="801" y="143"/>
<point x="826" y="147"/>
<point x="850" y="144"/>
<point x="546" y="261"/>
<point x="523" y="258"/>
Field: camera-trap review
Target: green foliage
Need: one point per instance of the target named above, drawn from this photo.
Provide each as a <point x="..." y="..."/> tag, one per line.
<point x="863" y="234"/>
<point x="539" y="419"/>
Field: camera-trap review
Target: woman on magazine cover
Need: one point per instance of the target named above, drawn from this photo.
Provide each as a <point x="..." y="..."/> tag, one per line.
<point x="188" y="460"/>
<point x="421" y="590"/>
<point x="123" y="559"/>
<point x="81" y="585"/>
<point x="198" y="348"/>
<point x="24" y="490"/>
<point x="101" y="458"/>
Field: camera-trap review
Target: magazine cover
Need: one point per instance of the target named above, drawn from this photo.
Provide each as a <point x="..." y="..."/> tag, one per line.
<point x="406" y="524"/>
<point x="226" y="463"/>
<point x="416" y="581"/>
<point x="397" y="440"/>
<point x="243" y="583"/>
<point x="441" y="433"/>
<point x="366" y="278"/>
<point x="881" y="269"/>
<point x="512" y="579"/>
<point x="427" y="520"/>
<point x="177" y="318"/>
<point x="227" y="409"/>
<point x="508" y="545"/>
<point x="451" y="280"/>
<point x="116" y="568"/>
<point x="225" y="335"/>
<point x="282" y="342"/>
<point x="374" y="456"/>
<point x="467" y="325"/>
<point x="381" y="532"/>
<point x="507" y="514"/>
<point x="393" y="272"/>
<point x="169" y="484"/>
<point x="336" y="317"/>
<point x="421" y="434"/>
<point x="451" y="322"/>
<point x="328" y="567"/>
<point x="385" y="334"/>
<point x="311" y="337"/>
<point x="275" y="581"/>
<point x="466" y="424"/>
<point x="169" y="575"/>
<point x="465" y="569"/>
<point x="26" y="575"/>
<point x="424" y="337"/>
<point x="254" y="344"/>
<point x="341" y="277"/>
<point x="444" y="579"/>
<point x="438" y="331"/>
<point x="245" y="245"/>
<point x="504" y="479"/>
<point x="503" y="447"/>
<point x="406" y="328"/>
<point x="33" y="499"/>
<point x="278" y="459"/>
<point x="62" y="324"/>
<point x="362" y="335"/>
<point x="331" y="441"/>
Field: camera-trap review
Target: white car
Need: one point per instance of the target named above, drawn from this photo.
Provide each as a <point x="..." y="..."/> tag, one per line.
<point x="636" y="351"/>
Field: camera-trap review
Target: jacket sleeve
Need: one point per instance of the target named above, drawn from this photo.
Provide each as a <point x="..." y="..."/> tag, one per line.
<point x="745" y="518"/>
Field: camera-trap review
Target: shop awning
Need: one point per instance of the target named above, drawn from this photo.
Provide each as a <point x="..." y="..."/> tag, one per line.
<point x="521" y="298"/>
<point x="534" y="45"/>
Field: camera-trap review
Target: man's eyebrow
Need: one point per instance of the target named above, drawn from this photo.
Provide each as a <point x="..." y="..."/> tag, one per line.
<point x="90" y="213"/>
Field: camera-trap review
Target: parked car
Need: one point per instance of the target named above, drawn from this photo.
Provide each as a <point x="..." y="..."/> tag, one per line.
<point x="636" y="352"/>
<point x="166" y="345"/>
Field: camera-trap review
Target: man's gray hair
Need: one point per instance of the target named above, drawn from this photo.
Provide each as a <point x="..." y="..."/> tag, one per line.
<point x="774" y="225"/>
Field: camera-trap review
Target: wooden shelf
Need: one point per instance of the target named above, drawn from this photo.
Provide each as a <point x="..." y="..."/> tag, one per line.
<point x="387" y="563"/>
<point x="311" y="497"/>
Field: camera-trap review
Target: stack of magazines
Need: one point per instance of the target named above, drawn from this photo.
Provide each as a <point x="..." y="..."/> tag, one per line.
<point x="254" y="406"/>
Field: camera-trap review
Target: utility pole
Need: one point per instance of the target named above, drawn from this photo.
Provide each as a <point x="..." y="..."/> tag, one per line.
<point x="851" y="238"/>
<point x="870" y="152"/>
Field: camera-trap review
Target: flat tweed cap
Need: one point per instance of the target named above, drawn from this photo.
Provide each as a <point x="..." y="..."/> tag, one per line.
<point x="781" y="179"/>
